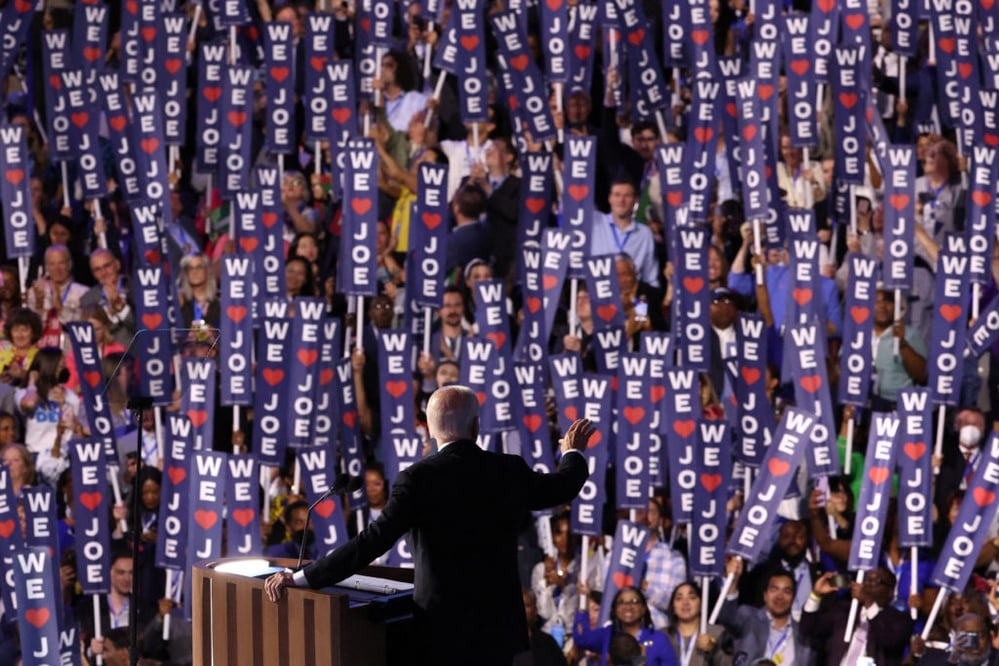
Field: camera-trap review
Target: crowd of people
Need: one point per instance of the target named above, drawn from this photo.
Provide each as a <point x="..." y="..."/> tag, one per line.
<point x="789" y="608"/>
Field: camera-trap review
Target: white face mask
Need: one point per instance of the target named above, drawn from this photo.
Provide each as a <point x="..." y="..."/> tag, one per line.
<point x="969" y="436"/>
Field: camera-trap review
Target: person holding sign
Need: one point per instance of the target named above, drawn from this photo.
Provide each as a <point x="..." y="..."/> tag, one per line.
<point x="465" y="507"/>
<point x="894" y="371"/>
<point x="631" y="616"/>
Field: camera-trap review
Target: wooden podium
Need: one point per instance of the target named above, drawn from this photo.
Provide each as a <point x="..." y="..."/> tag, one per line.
<point x="235" y="624"/>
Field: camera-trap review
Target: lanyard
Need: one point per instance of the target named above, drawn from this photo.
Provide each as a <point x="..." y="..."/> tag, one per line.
<point x="777" y="647"/>
<point x="617" y="238"/>
<point x="686" y="652"/>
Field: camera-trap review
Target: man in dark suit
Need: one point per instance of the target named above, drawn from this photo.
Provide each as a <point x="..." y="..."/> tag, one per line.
<point x="880" y="631"/>
<point x="464" y="508"/>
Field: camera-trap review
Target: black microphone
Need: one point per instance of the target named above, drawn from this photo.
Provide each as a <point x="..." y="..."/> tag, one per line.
<point x="343" y="481"/>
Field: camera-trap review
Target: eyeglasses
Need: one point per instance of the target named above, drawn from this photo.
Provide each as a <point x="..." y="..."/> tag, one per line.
<point x="103" y="267"/>
<point x="628" y="602"/>
<point x="877" y="580"/>
<point x="382" y="306"/>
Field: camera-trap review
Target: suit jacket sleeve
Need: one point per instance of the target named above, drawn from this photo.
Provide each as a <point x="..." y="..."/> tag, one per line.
<point x="561" y="486"/>
<point x="396" y="519"/>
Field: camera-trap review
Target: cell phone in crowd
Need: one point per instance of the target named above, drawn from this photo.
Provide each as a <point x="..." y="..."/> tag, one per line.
<point x="641" y="310"/>
<point x="841" y="580"/>
<point x="822" y="485"/>
<point x="925" y="197"/>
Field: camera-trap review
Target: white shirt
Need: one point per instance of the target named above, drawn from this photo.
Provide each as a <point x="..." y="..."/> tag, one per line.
<point x="636" y="240"/>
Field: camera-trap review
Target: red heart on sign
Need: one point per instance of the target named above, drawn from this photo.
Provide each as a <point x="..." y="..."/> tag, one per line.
<point x="269" y="219"/>
<point x="91" y="53"/>
<point x="325" y="376"/>
<point x="799" y="67"/>
<point x="350" y="418"/>
<point x="197" y="417"/>
<point x="498" y="338"/>
<point x="6" y="528"/>
<point x="553" y="4"/>
<point x="879" y="474"/>
<point x="90" y="500"/>
<point x="778" y="467"/>
<point x="37" y="617"/>
<point x="481" y="398"/>
<point x="802" y="296"/>
<point x="55" y="82"/>
<point x="981" y="198"/>
<point x="318" y="63"/>
<point x="987" y="4"/>
<point x="703" y="134"/>
<point x="578" y="192"/>
<point x="633" y="414"/>
<point x="849" y="100"/>
<point x="361" y="206"/>
<point x="607" y="312"/>
<point x="549" y="282"/>
<point x="307" y="356"/>
<point x="206" y="518"/>
<point x="899" y="201"/>
<point x="273" y="376"/>
<point x="684" y="428"/>
<point x="279" y="74"/>
<point x="244" y="516"/>
<point x="248" y="244"/>
<point x="80" y="119"/>
<point x="855" y="21"/>
<point x="860" y="314"/>
<point x="533" y="304"/>
<point x="365" y="24"/>
<point x="811" y="383"/>
<point x="946" y="44"/>
<point x="730" y="108"/>
<point x="341" y="115"/>
<point x="152" y="256"/>
<point x="622" y="579"/>
<point x="571" y="413"/>
<point x="236" y="313"/>
<point x="636" y="37"/>
<point x="826" y="5"/>
<point x="950" y="312"/>
<point x="748" y="132"/>
<point x="965" y="69"/>
<point x="132" y="7"/>
<point x="212" y="93"/>
<point x="15" y="176"/>
<point x="117" y="123"/>
<point x="534" y="204"/>
<point x="93" y="378"/>
<point x="533" y="422"/>
<point x="991" y="139"/>
<point x="710" y="481"/>
<point x="692" y="284"/>
<point x="395" y="389"/>
<point x="237" y="118"/>
<point x="595" y="439"/>
<point x="469" y="42"/>
<point x="582" y="51"/>
<point x="984" y="497"/>
<point x="176" y="474"/>
<point x="148" y="33"/>
<point x="431" y="220"/>
<point x="674" y="199"/>
<point x="152" y="319"/>
<point x="657" y="393"/>
<point x="512" y="102"/>
<point x="914" y="450"/>
<point x="519" y="62"/>
<point x="326" y="508"/>
<point x="172" y="65"/>
<point x="750" y="375"/>
<point x="149" y="145"/>
<point x="766" y="91"/>
<point x="699" y="36"/>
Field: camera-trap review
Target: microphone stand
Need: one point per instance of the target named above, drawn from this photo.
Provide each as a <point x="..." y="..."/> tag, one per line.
<point x="341" y="482"/>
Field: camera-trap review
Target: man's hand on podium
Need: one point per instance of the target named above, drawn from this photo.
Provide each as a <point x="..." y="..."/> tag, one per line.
<point x="276" y="583"/>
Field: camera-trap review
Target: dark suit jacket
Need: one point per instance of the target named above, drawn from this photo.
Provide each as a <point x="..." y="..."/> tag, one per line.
<point x="750" y="628"/>
<point x="887" y="634"/>
<point x="464" y="508"/>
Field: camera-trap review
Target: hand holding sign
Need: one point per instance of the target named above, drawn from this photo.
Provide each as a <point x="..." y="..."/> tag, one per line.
<point x="577" y="436"/>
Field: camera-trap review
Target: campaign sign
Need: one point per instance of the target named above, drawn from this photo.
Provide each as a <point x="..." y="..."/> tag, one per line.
<point x="236" y="331"/>
<point x="527" y="94"/>
<point x="270" y="406"/>
<point x="872" y="505"/>
<point x="209" y="471"/>
<point x="681" y="410"/>
<point x="172" y="534"/>
<point x="91" y="374"/>
<point x="948" y="331"/>
<point x="237" y="123"/>
<point x="147" y="134"/>
<point x="91" y="515"/>
<point x="131" y="44"/>
<point x="693" y="331"/>
<point x="120" y="136"/>
<point x="10" y="535"/>
<point x="357" y="269"/>
<point x="535" y="435"/>
<point x="755" y="195"/>
<point x="37" y="600"/>
<point x="428" y="233"/>
<point x="710" y="515"/>
<point x="343" y="119"/>
<point x="648" y="88"/>
<point x="473" y="100"/>
<point x="701" y="148"/>
<point x="149" y="45"/>
<point x="595" y="402"/>
<point x="279" y="86"/>
<point x="915" y="489"/>
<point x="778" y="470"/>
<point x="803" y="300"/>
<point x="905" y="27"/>
<point x="627" y="562"/>
<point x="607" y="346"/>
<point x="981" y="220"/>
<point x="634" y="427"/>
<point x="604" y="292"/>
<point x="246" y="215"/>
<point x="152" y="342"/>
<point x="811" y="392"/>
<point x="581" y="37"/>
<point x="403" y="444"/>
<point x="270" y="280"/>
<point x="83" y="129"/>
<point x="15" y="23"/>
<point x="764" y="64"/>
<point x="327" y="414"/>
<point x="242" y="499"/>
<point x="535" y="199"/>
<point x="477" y="363"/>
<point x="318" y="473"/>
<point x="303" y="373"/>
<point x="672" y="180"/>
<point x="198" y="401"/>
<point x="40" y="516"/>
<point x="173" y="78"/>
<point x="532" y="340"/>
<point x="497" y="413"/>
<point x="855" y="359"/>
<point x="55" y="60"/>
<point x="756" y="425"/>
<point x="555" y="258"/>
<point x="848" y="117"/>
<point x="900" y="216"/>
<point x="978" y="510"/>
<point x="555" y="39"/>
<point x="577" y="202"/>
<point x="565" y="371"/>
<point x="351" y="451"/>
<point x="801" y="83"/>
<point x="15" y="191"/>
<point x="318" y="54"/>
<point x="211" y="77"/>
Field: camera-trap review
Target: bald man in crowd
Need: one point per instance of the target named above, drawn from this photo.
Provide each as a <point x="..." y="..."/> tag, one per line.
<point x="465" y="507"/>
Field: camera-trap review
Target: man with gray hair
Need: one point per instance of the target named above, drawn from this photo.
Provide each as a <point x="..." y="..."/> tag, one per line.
<point x="464" y="508"/>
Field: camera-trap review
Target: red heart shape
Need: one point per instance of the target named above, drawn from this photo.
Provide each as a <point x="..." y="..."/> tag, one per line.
<point x="325" y="376"/>
<point x="657" y="393"/>
<point x="731" y="110"/>
<point x="826" y="5"/>
<point x="984" y="497"/>
<point x="946" y="44"/>
<point x="318" y="63"/>
<point x="684" y="428"/>
<point x="197" y="417"/>
<point x="778" y="467"/>
<point x="595" y="439"/>
<point x="469" y="42"/>
<point x="899" y="201"/>
<point x="950" y="312"/>
<point x="699" y="36"/>
<point x="607" y="312"/>
<point x="533" y="422"/>
<point x="965" y="69"/>
<point x="117" y="123"/>
<point x="212" y="93"/>
<point x="549" y="282"/>
<point x="92" y="377"/>
<point x="325" y="508"/>
<point x="15" y="176"/>
<point x="578" y="192"/>
<point x="987" y="4"/>
<point x="811" y="383"/>
<point x="519" y="62"/>
<point x="622" y="579"/>
<point x="674" y="198"/>
<point x="132" y="7"/>
<point x="91" y="53"/>
<point x="176" y="474"/>
<point x="205" y="518"/>
<point x="633" y="414"/>
<point x="879" y="474"/>
<point x="269" y="219"/>
<point x="981" y="198"/>
<point x="799" y="67"/>
<point x="860" y="314"/>
<point x="765" y="91"/>
<point x="308" y="356"/>
<point x="90" y="500"/>
<point x="991" y="139"/>
<point x="750" y="375"/>
<point x="498" y="338"/>
<point x="512" y="102"/>
<point x="80" y="119"/>
<point x="533" y="304"/>
<point x="395" y="389"/>
<point x="173" y="65"/>
<point x="244" y="516"/>
<point x="149" y="145"/>
<point x="703" y="134"/>
<point x="636" y="37"/>
<point x="571" y="413"/>
<point x="855" y="21"/>
<point x="914" y="450"/>
<point x="55" y="82"/>
<point x="365" y="24"/>
<point x="152" y="319"/>
<point x="553" y="5"/>
<point x="361" y="206"/>
<point x="710" y="481"/>
<point x="350" y="418"/>
<point x="432" y="220"/>
<point x="273" y="376"/>
<point x="279" y="74"/>
<point x="37" y="617"/>
<point x="341" y="114"/>
<point x="534" y="204"/>
<point x="6" y="528"/>
<point x="152" y="256"/>
<point x="236" y="313"/>
<point x="148" y="33"/>
<point x="748" y="132"/>
<point x="802" y="295"/>
<point x="481" y="397"/>
<point x="248" y="244"/>
<point x="692" y="284"/>
<point x="237" y="118"/>
<point x="849" y="100"/>
<point x="582" y="51"/>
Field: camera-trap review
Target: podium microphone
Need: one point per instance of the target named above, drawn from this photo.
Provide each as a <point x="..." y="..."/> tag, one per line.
<point x="343" y="482"/>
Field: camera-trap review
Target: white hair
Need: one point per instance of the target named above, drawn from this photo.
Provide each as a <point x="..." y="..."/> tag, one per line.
<point x="453" y="413"/>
